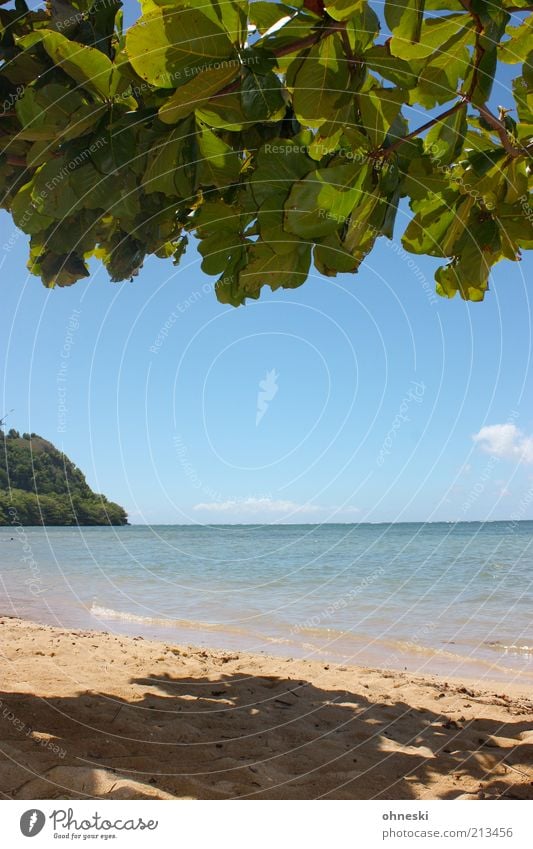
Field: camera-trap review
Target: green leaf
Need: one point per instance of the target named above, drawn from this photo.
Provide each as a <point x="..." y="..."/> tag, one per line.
<point x="331" y="258"/>
<point x="215" y="216"/>
<point x="342" y="10"/>
<point x="326" y="141"/>
<point x="116" y="149"/>
<point x="265" y="267"/>
<point x="231" y="15"/>
<point x="462" y="211"/>
<point x="361" y="232"/>
<point x="124" y="257"/>
<point x="220" y="251"/>
<point x="52" y="193"/>
<point x="516" y="225"/>
<point x="271" y="219"/>
<point x="455" y="278"/>
<point x="89" y="67"/>
<point x="523" y="95"/>
<point x="527" y="69"/>
<point x="424" y="180"/>
<point x="54" y="113"/>
<point x="23" y="68"/>
<point x="443" y="6"/>
<point x="436" y="36"/>
<point x="379" y="109"/>
<point x="445" y="140"/>
<point x="264" y="14"/>
<point x="171" y="167"/>
<point x="168" y="47"/>
<point x="280" y="163"/>
<point x="261" y="97"/>
<point x="518" y="44"/>
<point x="39" y="153"/>
<point x="224" y="113"/>
<point x="426" y="232"/>
<point x="477" y="250"/>
<point x="197" y="92"/>
<point x="25" y="214"/>
<point x="319" y="82"/>
<point x="442" y="74"/>
<point x="323" y="201"/>
<point x="62" y="270"/>
<point x="220" y="165"/>
<point x="516" y="181"/>
<point x="362" y="29"/>
<point x="380" y="60"/>
<point x="494" y="20"/>
<point x="404" y="19"/>
<point x="389" y="177"/>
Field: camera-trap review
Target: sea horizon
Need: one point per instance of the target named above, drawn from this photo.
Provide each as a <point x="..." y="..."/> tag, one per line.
<point x="391" y="523"/>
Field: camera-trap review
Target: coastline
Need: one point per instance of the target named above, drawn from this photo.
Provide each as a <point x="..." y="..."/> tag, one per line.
<point x="90" y="714"/>
<point x="419" y="599"/>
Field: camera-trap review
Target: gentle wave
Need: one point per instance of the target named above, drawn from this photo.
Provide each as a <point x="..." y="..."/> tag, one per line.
<point x="125" y="616"/>
<point x="514" y="649"/>
<point x="393" y="651"/>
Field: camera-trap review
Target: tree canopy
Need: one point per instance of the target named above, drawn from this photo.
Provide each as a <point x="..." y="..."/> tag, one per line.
<point x="280" y="134"/>
<point x="40" y="486"/>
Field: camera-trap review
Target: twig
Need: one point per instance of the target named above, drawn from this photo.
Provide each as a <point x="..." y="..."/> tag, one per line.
<point x="18" y="161"/>
<point x="117" y="713"/>
<point x="312" y="38"/>
<point x="303" y="43"/>
<point x="386" y="151"/>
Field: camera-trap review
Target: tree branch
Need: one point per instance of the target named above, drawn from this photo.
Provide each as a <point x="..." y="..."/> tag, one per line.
<point x="308" y="41"/>
<point x="479" y="51"/>
<point x="500" y="128"/>
<point x="316" y="6"/>
<point x="18" y="161"/>
<point x="386" y="151"/>
<point x="301" y="44"/>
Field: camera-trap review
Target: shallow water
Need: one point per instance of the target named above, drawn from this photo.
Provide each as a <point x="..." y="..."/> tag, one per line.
<point x="456" y="599"/>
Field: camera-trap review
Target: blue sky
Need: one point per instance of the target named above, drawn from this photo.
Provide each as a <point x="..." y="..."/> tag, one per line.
<point x="355" y="399"/>
<point x="345" y="400"/>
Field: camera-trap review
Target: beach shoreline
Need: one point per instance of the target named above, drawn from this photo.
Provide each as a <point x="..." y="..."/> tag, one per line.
<point x="93" y="714"/>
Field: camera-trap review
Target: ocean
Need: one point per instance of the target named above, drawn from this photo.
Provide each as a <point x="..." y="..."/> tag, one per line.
<point x="452" y="599"/>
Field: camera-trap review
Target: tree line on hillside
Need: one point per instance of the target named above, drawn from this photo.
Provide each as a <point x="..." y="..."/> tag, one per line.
<point x="39" y="485"/>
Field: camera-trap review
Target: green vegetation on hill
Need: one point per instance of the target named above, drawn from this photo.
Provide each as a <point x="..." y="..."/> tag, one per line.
<point x="40" y="486"/>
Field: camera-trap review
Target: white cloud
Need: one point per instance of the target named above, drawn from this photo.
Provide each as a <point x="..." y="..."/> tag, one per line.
<point x="505" y="440"/>
<point x="256" y="505"/>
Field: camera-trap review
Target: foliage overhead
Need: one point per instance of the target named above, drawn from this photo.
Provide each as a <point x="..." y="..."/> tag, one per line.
<point x="40" y="486"/>
<point x="280" y="134"/>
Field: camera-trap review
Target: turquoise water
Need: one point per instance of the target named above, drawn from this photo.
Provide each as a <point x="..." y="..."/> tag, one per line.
<point x="427" y="597"/>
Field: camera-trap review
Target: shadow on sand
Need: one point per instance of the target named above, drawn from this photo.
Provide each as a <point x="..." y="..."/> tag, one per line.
<point x="255" y="737"/>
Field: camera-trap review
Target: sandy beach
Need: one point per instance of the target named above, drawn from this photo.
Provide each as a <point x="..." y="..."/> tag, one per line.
<point x="89" y="714"/>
